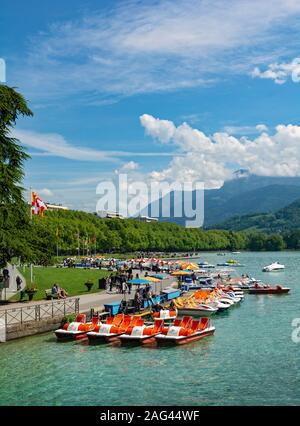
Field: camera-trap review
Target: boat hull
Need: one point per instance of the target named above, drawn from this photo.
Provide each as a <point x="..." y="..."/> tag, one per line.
<point x="196" y="312"/>
<point x="137" y="340"/>
<point x="163" y="340"/>
<point x="269" y="291"/>
<point x="96" y="338"/>
<point x="61" y="336"/>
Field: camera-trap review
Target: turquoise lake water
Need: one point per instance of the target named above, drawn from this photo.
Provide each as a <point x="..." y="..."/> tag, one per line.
<point x="251" y="359"/>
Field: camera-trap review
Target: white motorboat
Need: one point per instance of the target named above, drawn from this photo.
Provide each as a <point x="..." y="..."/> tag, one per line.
<point x="205" y="265"/>
<point x="273" y="267"/>
<point x="201" y="310"/>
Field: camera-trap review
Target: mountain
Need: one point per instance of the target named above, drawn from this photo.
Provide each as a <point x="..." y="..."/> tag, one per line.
<point x="245" y="194"/>
<point x="282" y="220"/>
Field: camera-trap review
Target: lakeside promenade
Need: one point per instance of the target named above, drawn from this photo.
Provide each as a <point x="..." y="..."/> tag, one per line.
<point x="87" y="301"/>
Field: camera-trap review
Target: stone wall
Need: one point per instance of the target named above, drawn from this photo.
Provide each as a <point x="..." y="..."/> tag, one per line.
<point x="29" y="328"/>
<point x="32" y="327"/>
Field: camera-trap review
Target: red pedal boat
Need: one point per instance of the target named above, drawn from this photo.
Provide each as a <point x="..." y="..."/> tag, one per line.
<point x="77" y="329"/>
<point x="266" y="289"/>
<point x="112" y="329"/>
<point x="141" y="333"/>
<point x="185" y="331"/>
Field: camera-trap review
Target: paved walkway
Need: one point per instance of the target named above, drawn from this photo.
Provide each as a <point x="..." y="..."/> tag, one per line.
<point x="5" y="294"/>
<point x="90" y="300"/>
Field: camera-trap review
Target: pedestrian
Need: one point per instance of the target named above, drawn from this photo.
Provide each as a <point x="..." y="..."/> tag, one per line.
<point x="138" y="300"/>
<point x="18" y="282"/>
<point x="129" y="285"/>
<point x="6" y="278"/>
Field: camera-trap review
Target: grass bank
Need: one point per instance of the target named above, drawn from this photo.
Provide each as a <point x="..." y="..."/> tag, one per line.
<point x="72" y="280"/>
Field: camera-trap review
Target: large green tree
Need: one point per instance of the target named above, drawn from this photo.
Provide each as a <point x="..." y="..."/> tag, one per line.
<point x="13" y="210"/>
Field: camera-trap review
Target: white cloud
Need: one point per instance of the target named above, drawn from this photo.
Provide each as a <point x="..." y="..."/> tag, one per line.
<point x="212" y="159"/>
<point x="245" y="130"/>
<point x="262" y="128"/>
<point x="45" y="191"/>
<point x="131" y="165"/>
<point x="148" y="47"/>
<point x="280" y="72"/>
<point x="53" y="144"/>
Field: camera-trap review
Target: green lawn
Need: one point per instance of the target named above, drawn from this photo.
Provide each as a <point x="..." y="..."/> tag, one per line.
<point x="72" y="280"/>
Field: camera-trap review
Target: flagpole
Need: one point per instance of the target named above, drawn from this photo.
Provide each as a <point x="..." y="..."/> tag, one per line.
<point x="57" y="244"/>
<point x="30" y="203"/>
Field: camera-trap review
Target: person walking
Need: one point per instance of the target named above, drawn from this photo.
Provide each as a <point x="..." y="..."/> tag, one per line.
<point x="138" y="300"/>
<point x="19" y="283"/>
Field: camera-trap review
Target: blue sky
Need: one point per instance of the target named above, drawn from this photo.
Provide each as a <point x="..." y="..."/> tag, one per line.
<point x="111" y="84"/>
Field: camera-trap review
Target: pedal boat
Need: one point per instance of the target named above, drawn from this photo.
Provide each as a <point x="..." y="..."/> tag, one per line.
<point x="112" y="329"/>
<point x="76" y="330"/>
<point x="191" y="307"/>
<point x="166" y="314"/>
<point x="185" y="331"/>
<point x="142" y="334"/>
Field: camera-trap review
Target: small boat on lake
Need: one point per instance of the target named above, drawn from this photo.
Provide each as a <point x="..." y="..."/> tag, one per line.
<point x="166" y="314"/>
<point x="113" y="328"/>
<point x="205" y="265"/>
<point x="78" y="329"/>
<point x="190" y="306"/>
<point x="185" y="331"/>
<point x="267" y="289"/>
<point x="142" y="333"/>
<point x="273" y="267"/>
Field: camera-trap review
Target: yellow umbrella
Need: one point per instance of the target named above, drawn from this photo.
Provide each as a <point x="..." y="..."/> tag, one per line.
<point x="154" y="280"/>
<point x="181" y="273"/>
<point x="189" y="265"/>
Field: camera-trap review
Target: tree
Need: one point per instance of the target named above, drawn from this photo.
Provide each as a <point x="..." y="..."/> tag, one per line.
<point x="14" y="215"/>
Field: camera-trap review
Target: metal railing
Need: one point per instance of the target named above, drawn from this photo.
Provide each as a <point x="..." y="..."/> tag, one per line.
<point x="38" y="312"/>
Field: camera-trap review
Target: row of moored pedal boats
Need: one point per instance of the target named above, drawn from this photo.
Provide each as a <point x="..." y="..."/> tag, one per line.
<point x="132" y="329"/>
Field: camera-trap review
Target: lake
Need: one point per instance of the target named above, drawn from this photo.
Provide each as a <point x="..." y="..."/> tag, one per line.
<point x="251" y="359"/>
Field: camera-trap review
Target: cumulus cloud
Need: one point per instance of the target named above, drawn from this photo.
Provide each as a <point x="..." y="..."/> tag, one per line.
<point x="213" y="158"/>
<point x="280" y="72"/>
<point x="131" y="165"/>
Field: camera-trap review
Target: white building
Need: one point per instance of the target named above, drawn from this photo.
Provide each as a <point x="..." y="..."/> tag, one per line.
<point x="56" y="207"/>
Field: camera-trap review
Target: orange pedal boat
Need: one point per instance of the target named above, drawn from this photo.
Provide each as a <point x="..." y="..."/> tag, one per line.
<point x="77" y="329"/>
<point x="185" y="331"/>
<point x="141" y="333"/>
<point x="112" y="329"/>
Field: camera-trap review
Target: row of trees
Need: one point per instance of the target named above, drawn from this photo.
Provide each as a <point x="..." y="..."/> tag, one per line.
<point x="75" y="232"/>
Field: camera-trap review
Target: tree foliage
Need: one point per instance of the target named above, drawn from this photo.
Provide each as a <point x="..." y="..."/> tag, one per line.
<point x="14" y="216"/>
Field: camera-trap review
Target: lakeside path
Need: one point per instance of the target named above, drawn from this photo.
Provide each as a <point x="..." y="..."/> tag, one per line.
<point x="89" y="300"/>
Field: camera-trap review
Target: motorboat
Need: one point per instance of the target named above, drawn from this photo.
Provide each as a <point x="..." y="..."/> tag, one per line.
<point x="78" y="329"/>
<point x="113" y="328"/>
<point x="142" y="333"/>
<point x="185" y="331"/>
<point x="205" y="265"/>
<point x="191" y="307"/>
<point x="273" y="267"/>
<point x="267" y="289"/>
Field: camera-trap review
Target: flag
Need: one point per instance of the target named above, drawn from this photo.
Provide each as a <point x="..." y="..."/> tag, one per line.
<point x="37" y="205"/>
